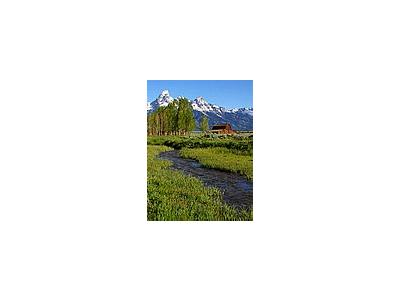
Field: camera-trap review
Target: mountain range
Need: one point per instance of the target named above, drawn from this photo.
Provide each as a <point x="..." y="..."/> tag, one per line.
<point x="239" y="118"/>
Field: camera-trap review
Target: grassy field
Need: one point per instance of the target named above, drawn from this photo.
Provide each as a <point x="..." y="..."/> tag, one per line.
<point x="173" y="196"/>
<point x="222" y="159"/>
<point x="242" y="144"/>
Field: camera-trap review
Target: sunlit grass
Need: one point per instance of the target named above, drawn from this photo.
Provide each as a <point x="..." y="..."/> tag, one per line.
<point x="222" y="159"/>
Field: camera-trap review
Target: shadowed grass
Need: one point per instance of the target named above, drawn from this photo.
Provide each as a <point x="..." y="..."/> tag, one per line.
<point x="173" y="196"/>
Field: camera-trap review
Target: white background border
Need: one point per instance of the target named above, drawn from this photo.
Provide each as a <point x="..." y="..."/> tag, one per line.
<point x="73" y="168"/>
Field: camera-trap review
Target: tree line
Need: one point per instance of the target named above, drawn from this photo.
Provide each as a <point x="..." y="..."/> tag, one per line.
<point x="176" y="118"/>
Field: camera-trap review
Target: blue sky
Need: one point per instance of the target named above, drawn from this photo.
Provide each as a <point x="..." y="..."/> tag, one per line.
<point x="226" y="93"/>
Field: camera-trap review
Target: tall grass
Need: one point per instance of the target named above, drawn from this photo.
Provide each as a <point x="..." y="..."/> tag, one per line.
<point x="173" y="196"/>
<point x="238" y="143"/>
<point x="222" y="159"/>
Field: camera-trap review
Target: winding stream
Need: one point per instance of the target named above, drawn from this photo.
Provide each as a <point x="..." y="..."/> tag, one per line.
<point x="236" y="189"/>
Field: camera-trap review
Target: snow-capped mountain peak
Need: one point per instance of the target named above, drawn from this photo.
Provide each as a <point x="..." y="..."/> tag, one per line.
<point x="244" y="110"/>
<point x="200" y="104"/>
<point x="164" y="99"/>
<point x="164" y="93"/>
<point x="200" y="100"/>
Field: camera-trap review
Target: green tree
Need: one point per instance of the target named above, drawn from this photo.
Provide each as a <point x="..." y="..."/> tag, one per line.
<point x="190" y="121"/>
<point x="186" y="122"/>
<point x="204" y="123"/>
<point x="175" y="118"/>
<point x="181" y="115"/>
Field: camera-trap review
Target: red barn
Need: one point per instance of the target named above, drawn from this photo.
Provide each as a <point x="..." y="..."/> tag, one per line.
<point x="222" y="129"/>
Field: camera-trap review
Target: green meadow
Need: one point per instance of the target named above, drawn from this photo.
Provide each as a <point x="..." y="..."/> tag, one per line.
<point x="222" y="159"/>
<point x="174" y="196"/>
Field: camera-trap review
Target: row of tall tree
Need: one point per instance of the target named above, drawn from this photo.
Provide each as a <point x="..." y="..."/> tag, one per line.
<point x="174" y="119"/>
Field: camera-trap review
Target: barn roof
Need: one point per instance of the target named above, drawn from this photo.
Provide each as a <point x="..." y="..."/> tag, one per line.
<point x="221" y="126"/>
